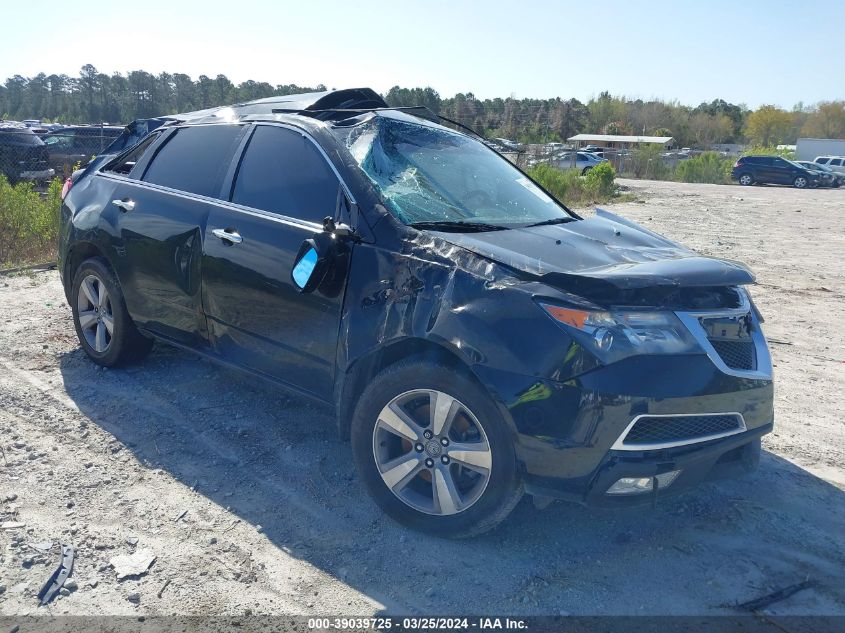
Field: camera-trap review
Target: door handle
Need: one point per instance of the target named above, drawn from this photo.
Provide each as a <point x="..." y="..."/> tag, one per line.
<point x="227" y="235"/>
<point x="126" y="204"/>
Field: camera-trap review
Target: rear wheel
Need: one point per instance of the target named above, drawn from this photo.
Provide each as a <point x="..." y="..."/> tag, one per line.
<point x="434" y="451"/>
<point x="800" y="182"/>
<point x="746" y="179"/>
<point x="103" y="326"/>
<point x="585" y="171"/>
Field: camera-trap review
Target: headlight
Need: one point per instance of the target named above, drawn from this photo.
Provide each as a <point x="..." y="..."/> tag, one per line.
<point x="612" y="336"/>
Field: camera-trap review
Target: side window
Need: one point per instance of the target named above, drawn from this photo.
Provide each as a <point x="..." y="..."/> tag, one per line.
<point x="124" y="164"/>
<point x="836" y="162"/>
<point x="284" y="173"/>
<point x="822" y="161"/>
<point x="195" y="159"/>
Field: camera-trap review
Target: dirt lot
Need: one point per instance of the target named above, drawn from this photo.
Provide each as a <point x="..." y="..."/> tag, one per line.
<point x="249" y="503"/>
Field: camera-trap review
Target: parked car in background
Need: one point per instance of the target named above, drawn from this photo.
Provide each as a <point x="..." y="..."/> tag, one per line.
<point x="836" y="163"/>
<point x="78" y="144"/>
<point x="773" y="170"/>
<point x="23" y="155"/>
<point x="582" y="161"/>
<point x="475" y="338"/>
<point x="829" y="178"/>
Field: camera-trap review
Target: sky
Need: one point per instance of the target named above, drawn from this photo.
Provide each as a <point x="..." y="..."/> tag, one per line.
<point x="744" y="51"/>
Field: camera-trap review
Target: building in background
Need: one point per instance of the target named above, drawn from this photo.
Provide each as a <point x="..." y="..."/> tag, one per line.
<point x="809" y="148"/>
<point x="618" y="141"/>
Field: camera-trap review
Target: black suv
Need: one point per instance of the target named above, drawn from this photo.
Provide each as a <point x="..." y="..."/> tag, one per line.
<point x="773" y="170"/>
<point x="475" y="337"/>
<point x="23" y="155"/>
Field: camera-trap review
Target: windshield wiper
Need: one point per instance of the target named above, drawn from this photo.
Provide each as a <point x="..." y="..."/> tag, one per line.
<point x="553" y="221"/>
<point x="457" y="226"/>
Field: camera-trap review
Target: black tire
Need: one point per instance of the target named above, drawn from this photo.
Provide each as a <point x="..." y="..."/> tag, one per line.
<point x="801" y="182"/>
<point x="125" y="344"/>
<point x="585" y="170"/>
<point x="504" y="487"/>
<point x="746" y="179"/>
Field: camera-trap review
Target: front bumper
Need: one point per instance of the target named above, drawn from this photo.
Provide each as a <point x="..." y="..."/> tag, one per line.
<point x="720" y="459"/>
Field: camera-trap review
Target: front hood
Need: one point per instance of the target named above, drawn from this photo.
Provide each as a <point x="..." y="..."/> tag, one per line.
<point x="605" y="251"/>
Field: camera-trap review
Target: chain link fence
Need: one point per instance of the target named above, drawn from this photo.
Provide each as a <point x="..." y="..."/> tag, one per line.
<point x="38" y="155"/>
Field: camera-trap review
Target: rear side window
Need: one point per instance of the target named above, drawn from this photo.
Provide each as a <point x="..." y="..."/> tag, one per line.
<point x="822" y="161"/>
<point x="126" y="163"/>
<point x="836" y="162"/>
<point x="284" y="173"/>
<point x="195" y="159"/>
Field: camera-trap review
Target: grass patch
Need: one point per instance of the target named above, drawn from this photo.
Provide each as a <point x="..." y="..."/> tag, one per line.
<point x="29" y="223"/>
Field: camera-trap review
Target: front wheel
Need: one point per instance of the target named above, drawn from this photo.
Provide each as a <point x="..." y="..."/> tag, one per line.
<point x="800" y="182"/>
<point x="103" y="325"/>
<point x="434" y="451"/>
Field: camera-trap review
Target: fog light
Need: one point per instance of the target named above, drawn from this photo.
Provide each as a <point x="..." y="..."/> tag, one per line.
<point x="642" y="485"/>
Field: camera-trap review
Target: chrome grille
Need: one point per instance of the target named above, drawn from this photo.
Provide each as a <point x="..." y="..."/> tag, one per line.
<point x="649" y="431"/>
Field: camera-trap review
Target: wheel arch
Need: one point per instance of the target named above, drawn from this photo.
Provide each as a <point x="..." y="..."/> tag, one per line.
<point x="77" y="254"/>
<point x="357" y="376"/>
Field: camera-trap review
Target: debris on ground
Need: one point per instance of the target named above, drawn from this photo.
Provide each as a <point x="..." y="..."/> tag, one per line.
<point x="135" y="564"/>
<point x="769" y="599"/>
<point x="56" y="582"/>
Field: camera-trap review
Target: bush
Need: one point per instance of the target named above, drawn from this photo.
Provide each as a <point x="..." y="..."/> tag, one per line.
<point x="600" y="180"/>
<point x="574" y="190"/>
<point x="29" y="222"/>
<point x="708" y="167"/>
<point x="647" y="162"/>
<point x="561" y="183"/>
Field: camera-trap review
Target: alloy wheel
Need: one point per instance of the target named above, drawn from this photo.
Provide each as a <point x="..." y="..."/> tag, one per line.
<point x="800" y="182"/>
<point x="745" y="179"/>
<point x="432" y="452"/>
<point x="95" y="313"/>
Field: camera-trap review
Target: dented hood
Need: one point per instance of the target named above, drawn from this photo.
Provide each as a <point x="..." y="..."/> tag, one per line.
<point x="602" y="252"/>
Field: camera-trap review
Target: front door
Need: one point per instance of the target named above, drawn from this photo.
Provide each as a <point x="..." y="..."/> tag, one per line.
<point x="257" y="318"/>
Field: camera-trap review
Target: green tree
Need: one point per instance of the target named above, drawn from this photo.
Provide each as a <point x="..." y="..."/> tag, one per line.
<point x="768" y="125"/>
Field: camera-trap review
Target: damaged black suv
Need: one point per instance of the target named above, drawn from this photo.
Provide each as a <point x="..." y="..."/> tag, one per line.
<point x="477" y="339"/>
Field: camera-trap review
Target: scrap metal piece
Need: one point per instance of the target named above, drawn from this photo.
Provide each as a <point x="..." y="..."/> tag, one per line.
<point x="776" y="596"/>
<point x="57" y="580"/>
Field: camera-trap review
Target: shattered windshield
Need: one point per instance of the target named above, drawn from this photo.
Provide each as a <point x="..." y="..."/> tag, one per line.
<point x="429" y="174"/>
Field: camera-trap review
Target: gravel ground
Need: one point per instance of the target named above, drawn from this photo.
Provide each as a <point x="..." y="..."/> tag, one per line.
<point x="249" y="503"/>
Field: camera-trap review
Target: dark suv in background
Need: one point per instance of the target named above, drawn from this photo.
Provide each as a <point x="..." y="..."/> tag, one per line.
<point x="773" y="170"/>
<point x="475" y="337"/>
<point x="78" y="144"/>
<point x="23" y="156"/>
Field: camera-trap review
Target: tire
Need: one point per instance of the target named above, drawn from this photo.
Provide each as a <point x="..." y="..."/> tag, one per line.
<point x="585" y="171"/>
<point x="746" y="179"/>
<point x="476" y="497"/>
<point x="801" y="182"/>
<point x="92" y="313"/>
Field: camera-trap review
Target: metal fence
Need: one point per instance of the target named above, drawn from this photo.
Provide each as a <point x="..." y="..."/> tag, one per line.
<point x="40" y="156"/>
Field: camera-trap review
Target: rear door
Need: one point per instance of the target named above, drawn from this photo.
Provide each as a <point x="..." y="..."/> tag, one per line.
<point x="281" y="190"/>
<point x="161" y="213"/>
